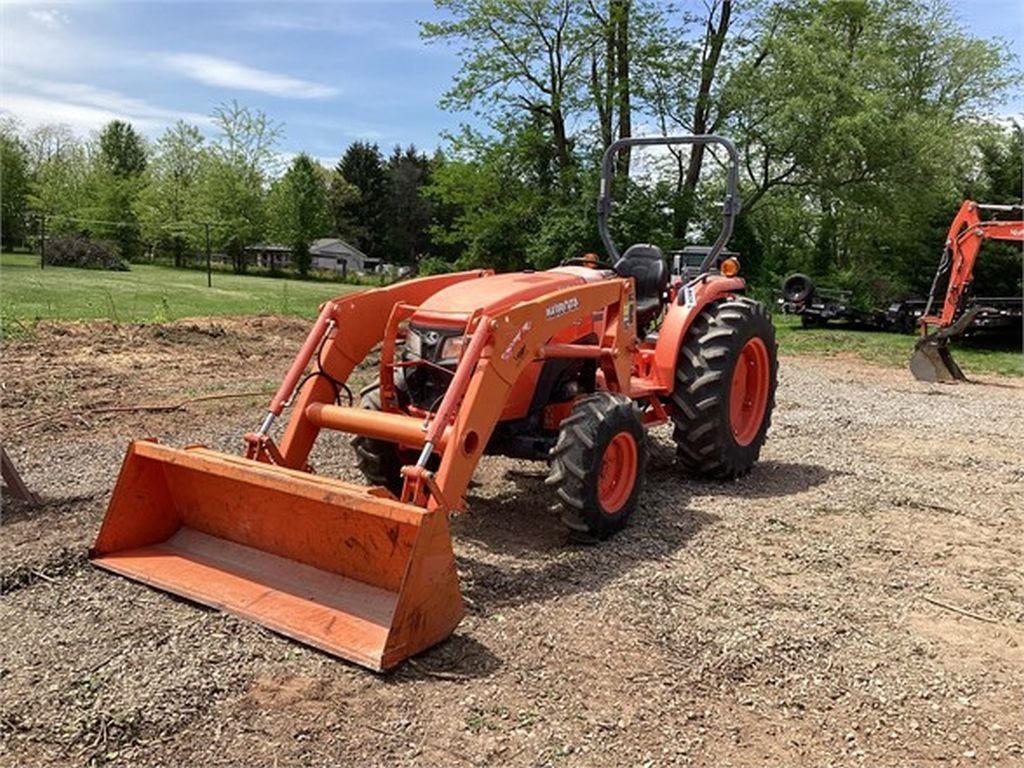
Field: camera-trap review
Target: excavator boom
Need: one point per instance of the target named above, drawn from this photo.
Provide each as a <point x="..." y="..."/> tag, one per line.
<point x="932" y="360"/>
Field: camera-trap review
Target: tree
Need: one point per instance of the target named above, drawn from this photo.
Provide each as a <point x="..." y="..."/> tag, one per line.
<point x="113" y="183"/>
<point x="233" y="178"/>
<point x="610" y="82"/>
<point x="14" y="187"/>
<point x="121" y="150"/>
<point x="681" y="83"/>
<point x="167" y="206"/>
<point x="57" y="167"/>
<point x="363" y="167"/>
<point x="523" y="57"/>
<point x="298" y="209"/>
<point x="856" y="111"/>
<point x="408" y="209"/>
<point x="46" y="142"/>
<point x="343" y="200"/>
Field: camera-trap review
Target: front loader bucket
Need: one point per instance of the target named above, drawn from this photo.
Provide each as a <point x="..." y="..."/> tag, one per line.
<point x="933" y="362"/>
<point x="344" y="568"/>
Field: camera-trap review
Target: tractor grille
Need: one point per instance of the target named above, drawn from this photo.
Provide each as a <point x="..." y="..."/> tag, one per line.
<point x="427" y="382"/>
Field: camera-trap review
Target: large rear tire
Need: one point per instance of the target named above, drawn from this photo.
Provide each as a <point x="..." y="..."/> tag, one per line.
<point x="598" y="464"/>
<point x="725" y="389"/>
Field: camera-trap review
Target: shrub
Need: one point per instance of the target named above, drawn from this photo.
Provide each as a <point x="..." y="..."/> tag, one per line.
<point x="433" y="265"/>
<point x="84" y="252"/>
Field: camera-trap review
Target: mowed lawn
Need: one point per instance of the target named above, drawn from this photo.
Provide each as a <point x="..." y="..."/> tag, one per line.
<point x="147" y="293"/>
<point x="151" y="294"/>
<point x="890" y="349"/>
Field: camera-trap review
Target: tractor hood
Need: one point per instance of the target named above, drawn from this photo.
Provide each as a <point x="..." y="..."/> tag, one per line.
<point x="452" y="306"/>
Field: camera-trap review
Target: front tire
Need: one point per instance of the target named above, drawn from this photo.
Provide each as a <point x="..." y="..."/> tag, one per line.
<point x="725" y="389"/>
<point x="380" y="461"/>
<point x="598" y="464"/>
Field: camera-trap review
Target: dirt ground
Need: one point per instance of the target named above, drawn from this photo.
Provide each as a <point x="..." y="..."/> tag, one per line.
<point x="858" y="599"/>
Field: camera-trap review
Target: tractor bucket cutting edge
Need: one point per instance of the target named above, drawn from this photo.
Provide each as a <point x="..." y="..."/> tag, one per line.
<point x="341" y="567"/>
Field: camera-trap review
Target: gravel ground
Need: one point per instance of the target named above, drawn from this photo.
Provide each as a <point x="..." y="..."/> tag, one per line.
<point x="856" y="600"/>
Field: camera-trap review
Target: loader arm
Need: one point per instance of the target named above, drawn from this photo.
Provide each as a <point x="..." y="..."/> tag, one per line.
<point x="360" y="320"/>
<point x="517" y="338"/>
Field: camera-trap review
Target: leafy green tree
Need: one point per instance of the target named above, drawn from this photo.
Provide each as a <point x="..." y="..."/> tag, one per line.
<point x="47" y="142"/>
<point x="113" y="183"/>
<point x="363" y="167"/>
<point x="408" y="210"/>
<point x="343" y="201"/>
<point x="233" y="176"/>
<point x="14" y="188"/>
<point x="167" y="206"/>
<point x="59" y="184"/>
<point x="298" y="209"/>
<point x="518" y="59"/>
<point x="862" y="110"/>
<point x="122" y="150"/>
<point x="494" y="201"/>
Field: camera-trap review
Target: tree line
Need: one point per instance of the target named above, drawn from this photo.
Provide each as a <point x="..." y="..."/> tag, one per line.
<point x="169" y="193"/>
<point x="861" y="125"/>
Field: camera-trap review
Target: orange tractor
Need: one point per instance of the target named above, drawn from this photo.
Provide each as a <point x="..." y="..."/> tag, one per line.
<point x="570" y="365"/>
<point x="932" y="360"/>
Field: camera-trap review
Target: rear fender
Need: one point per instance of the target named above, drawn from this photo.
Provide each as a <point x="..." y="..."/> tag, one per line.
<point x="680" y="315"/>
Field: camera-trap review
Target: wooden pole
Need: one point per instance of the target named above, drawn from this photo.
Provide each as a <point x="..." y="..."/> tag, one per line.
<point x="209" y="272"/>
<point x="14" y="485"/>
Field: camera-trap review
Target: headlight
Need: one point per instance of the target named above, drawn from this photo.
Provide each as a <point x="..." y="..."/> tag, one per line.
<point x="452" y="347"/>
<point x="413" y="343"/>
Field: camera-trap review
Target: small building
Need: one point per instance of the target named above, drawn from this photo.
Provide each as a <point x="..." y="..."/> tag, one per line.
<point x="334" y="253"/>
<point x="269" y="255"/>
<point x="328" y="253"/>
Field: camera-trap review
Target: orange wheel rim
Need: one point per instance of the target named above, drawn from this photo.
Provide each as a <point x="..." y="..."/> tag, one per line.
<point x="618" y="473"/>
<point x="748" y="395"/>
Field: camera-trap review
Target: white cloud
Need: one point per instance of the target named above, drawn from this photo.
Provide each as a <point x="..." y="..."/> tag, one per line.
<point x="51" y="18"/>
<point x="83" y="107"/>
<point x="337" y="20"/>
<point x="224" y="73"/>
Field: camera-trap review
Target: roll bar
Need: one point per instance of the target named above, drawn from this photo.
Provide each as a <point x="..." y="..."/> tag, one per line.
<point x="730" y="207"/>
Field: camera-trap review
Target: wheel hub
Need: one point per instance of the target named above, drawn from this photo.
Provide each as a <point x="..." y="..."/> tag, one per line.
<point x="748" y="395"/>
<point x="618" y="473"/>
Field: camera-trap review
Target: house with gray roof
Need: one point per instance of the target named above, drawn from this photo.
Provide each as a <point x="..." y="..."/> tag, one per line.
<point x="334" y="253"/>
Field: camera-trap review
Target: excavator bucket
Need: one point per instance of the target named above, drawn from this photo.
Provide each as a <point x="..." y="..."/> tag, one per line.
<point x="345" y="568"/>
<point x="933" y="362"/>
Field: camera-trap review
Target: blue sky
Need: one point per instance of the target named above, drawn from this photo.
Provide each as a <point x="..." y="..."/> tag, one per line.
<point x="331" y="72"/>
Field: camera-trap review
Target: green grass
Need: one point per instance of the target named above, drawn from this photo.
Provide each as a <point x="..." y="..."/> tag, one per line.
<point x="146" y="294"/>
<point x="890" y="349"/>
<point x="153" y="294"/>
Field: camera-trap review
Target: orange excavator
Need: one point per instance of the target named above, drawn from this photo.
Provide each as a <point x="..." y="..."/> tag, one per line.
<point x="571" y="366"/>
<point x="932" y="360"/>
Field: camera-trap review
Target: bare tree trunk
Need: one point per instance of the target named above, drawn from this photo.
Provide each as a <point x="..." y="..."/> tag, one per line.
<point x="713" y="42"/>
<point x="602" y="83"/>
<point x="561" y="140"/>
<point x="618" y="20"/>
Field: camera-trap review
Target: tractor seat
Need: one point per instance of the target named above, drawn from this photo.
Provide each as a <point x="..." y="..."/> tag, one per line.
<point x="645" y="263"/>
